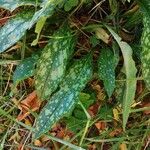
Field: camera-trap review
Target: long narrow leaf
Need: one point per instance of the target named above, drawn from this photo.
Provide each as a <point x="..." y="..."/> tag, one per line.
<point x="130" y="71"/>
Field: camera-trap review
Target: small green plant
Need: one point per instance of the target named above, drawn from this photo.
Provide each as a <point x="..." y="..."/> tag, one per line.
<point x="59" y="76"/>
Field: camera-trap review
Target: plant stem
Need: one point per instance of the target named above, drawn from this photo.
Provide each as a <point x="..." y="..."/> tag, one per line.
<point x="87" y="124"/>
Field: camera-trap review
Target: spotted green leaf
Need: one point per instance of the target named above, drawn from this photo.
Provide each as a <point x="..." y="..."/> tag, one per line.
<point x="145" y="41"/>
<point x="145" y="54"/>
<point x="106" y="70"/>
<point x="52" y="63"/>
<point x="25" y="69"/>
<point x="130" y="72"/>
<point x="63" y="100"/>
<point x="14" y="29"/>
<point x="13" y="4"/>
<point x="47" y="10"/>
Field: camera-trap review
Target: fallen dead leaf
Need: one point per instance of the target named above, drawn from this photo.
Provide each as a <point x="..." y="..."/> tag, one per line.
<point x="2" y="129"/>
<point x="139" y="87"/>
<point x="20" y="147"/>
<point x="4" y="20"/>
<point x="93" y="110"/>
<point x="30" y="103"/>
<point x="147" y="112"/>
<point x="102" y="34"/>
<point x="37" y="143"/>
<point x="101" y="125"/>
<point x="30" y="82"/>
<point x="92" y="147"/>
<point x="145" y="103"/>
<point x="44" y="139"/>
<point x="60" y="131"/>
<point x="28" y="122"/>
<point x="15" y="137"/>
<point x="116" y="114"/>
<point x="126" y="36"/>
<point x="123" y="146"/>
<point x="99" y="91"/>
<point x="115" y="132"/>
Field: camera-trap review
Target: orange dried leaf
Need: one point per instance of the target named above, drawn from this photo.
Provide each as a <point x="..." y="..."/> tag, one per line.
<point x="100" y="125"/>
<point x="1" y="130"/>
<point x="28" y="122"/>
<point x="93" y="110"/>
<point x="3" y="20"/>
<point x="20" y="147"/>
<point x="30" y="103"/>
<point x="123" y="146"/>
<point x="30" y="82"/>
<point x="92" y="147"/>
<point x="37" y="143"/>
<point x="44" y="139"/>
<point x="116" y="132"/>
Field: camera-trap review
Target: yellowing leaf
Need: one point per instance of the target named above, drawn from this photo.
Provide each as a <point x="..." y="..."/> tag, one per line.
<point x="37" y="143"/>
<point x="102" y="34"/>
<point x="123" y="146"/>
<point x="38" y="29"/>
<point x="116" y="114"/>
<point x="28" y="122"/>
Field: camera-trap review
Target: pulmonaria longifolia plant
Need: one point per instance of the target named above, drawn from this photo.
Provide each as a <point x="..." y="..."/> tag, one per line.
<point x="59" y="78"/>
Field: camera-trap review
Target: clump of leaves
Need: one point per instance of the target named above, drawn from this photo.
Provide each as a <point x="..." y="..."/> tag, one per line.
<point x="59" y="77"/>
